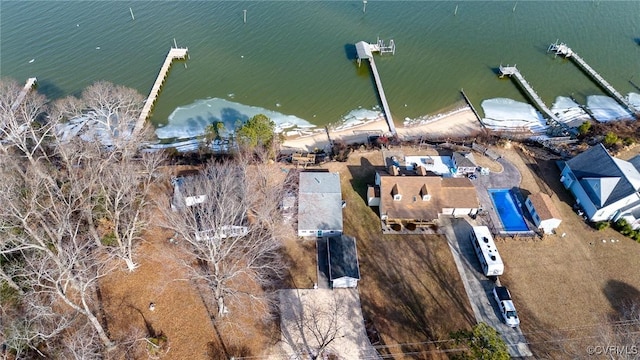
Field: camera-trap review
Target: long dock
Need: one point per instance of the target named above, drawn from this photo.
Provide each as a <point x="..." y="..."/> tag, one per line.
<point x="174" y="54"/>
<point x="514" y="73"/>
<point x="31" y="82"/>
<point x="365" y="51"/>
<point x="565" y="51"/>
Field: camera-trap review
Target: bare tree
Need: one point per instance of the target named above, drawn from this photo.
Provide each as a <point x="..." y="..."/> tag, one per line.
<point x="229" y="249"/>
<point x="124" y="188"/>
<point x="20" y="133"/>
<point x="94" y="139"/>
<point x="311" y="324"/>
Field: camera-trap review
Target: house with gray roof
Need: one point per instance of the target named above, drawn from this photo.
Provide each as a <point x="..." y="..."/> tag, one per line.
<point x="463" y="163"/>
<point x="606" y="188"/>
<point x="319" y="204"/>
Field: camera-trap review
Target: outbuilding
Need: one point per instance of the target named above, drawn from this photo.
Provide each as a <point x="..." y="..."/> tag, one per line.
<point x="344" y="270"/>
<point x="544" y="214"/>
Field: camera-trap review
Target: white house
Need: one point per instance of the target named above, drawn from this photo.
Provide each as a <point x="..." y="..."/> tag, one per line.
<point x="606" y="188"/>
<point x="319" y="204"/>
<point x="463" y="163"/>
<point x="344" y="270"/>
<point x="545" y="215"/>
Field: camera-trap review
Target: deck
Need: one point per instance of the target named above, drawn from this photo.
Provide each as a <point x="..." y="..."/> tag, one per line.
<point x="174" y="54"/>
<point x="514" y="73"/>
<point x="565" y="51"/>
<point x="31" y="82"/>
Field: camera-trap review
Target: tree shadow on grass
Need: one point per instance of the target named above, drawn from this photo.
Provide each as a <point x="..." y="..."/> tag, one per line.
<point x="362" y="176"/>
<point x="622" y="297"/>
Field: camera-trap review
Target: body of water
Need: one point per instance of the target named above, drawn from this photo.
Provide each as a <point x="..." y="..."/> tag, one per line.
<point x="296" y="58"/>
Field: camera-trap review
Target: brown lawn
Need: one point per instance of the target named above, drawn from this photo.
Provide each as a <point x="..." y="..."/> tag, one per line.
<point x="410" y="288"/>
<point x="566" y="287"/>
<point x="180" y="312"/>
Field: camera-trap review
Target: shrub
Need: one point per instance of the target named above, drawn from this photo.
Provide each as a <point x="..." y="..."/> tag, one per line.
<point x="601" y="225"/>
<point x="628" y="141"/>
<point x="584" y="128"/>
<point x="610" y="139"/>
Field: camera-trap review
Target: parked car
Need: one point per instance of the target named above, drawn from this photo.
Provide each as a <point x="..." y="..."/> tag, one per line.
<point x="508" y="311"/>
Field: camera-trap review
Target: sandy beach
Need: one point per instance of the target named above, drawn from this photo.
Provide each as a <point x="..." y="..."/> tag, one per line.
<point x="458" y="123"/>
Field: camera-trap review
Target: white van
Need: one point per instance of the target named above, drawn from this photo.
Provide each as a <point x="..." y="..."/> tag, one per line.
<point x="486" y="251"/>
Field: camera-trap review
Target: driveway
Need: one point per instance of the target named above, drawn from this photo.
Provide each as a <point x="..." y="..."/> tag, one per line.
<point x="310" y="318"/>
<point x="478" y="287"/>
<point x="507" y="179"/>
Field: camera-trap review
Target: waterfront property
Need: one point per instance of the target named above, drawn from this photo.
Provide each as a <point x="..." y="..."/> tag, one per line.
<point x="509" y="210"/>
<point x="544" y="214"/>
<point x="319" y="204"/>
<point x="415" y="202"/>
<point x="605" y="188"/>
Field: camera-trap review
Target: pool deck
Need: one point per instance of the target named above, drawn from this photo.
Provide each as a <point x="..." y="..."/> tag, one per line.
<point x="509" y="178"/>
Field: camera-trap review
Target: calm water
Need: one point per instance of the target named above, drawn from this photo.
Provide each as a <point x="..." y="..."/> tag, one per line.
<point x="296" y="54"/>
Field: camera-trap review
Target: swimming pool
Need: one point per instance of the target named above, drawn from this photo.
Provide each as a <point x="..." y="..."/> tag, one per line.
<point x="510" y="213"/>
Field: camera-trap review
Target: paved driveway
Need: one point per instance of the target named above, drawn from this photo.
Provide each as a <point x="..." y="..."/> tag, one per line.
<point x="311" y="317"/>
<point x="478" y="287"/>
<point x="509" y="178"/>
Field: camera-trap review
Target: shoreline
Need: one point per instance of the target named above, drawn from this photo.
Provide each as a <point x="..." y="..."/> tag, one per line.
<point x="459" y="122"/>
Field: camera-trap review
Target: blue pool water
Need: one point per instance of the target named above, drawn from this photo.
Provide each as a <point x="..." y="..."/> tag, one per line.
<point x="510" y="213"/>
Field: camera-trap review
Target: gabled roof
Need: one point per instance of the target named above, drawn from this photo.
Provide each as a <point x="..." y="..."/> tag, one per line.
<point x="444" y="193"/>
<point x="343" y="257"/>
<point x="319" y="201"/>
<point x="604" y="178"/>
<point x="544" y="206"/>
<point x="463" y="159"/>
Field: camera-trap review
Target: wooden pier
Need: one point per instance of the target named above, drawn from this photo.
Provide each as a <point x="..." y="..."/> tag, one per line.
<point x="174" y="54"/>
<point x="565" y="51"/>
<point x="553" y="120"/>
<point x="472" y="108"/>
<point x="365" y="51"/>
<point x="31" y="82"/>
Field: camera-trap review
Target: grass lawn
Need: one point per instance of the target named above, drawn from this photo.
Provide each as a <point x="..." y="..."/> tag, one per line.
<point x="565" y="288"/>
<point x="410" y="288"/>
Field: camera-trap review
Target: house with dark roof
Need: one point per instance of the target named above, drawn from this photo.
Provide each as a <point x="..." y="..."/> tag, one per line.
<point x="605" y="188"/>
<point x="319" y="204"/>
<point x="545" y="215"/>
<point x="344" y="270"/>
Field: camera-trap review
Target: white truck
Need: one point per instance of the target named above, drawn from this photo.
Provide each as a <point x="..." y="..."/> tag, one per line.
<point x="508" y="311"/>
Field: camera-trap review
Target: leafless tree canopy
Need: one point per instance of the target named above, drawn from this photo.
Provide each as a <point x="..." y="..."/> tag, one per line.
<point x="71" y="207"/>
<point x="227" y="219"/>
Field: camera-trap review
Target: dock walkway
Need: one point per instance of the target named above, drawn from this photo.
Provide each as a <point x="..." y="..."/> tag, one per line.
<point x="565" y="51"/>
<point x="365" y="51"/>
<point x="27" y="87"/>
<point x="514" y="73"/>
<point x="174" y="54"/>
